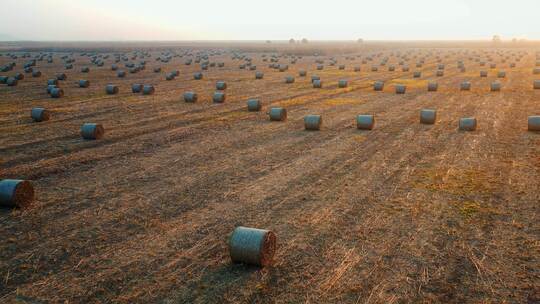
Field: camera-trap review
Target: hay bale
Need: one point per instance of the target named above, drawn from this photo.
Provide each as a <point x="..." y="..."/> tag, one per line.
<point x="190" y="97"/>
<point x="312" y="122"/>
<point x="417" y="74"/>
<point x="252" y="246"/>
<point x="317" y="84"/>
<point x="221" y="85"/>
<point x="302" y="73"/>
<point x="111" y="89"/>
<point x="483" y="73"/>
<point x="3" y="79"/>
<point x="170" y="76"/>
<point x="157" y="69"/>
<point x="136" y="87"/>
<point x="61" y="76"/>
<point x="465" y="86"/>
<point x="121" y="74"/>
<point x="534" y="123"/>
<point x="52" y="82"/>
<point x="254" y="105"/>
<point x="378" y="86"/>
<point x="320" y="67"/>
<point x="148" y="89"/>
<point x="467" y="124"/>
<point x="39" y="114"/>
<point x="391" y="68"/>
<point x="315" y="77"/>
<point x="501" y="74"/>
<point x="428" y="116"/>
<point x="198" y="76"/>
<point x="357" y="69"/>
<point x="16" y="193"/>
<point x="92" y="131"/>
<point x="12" y="81"/>
<point x="536" y="71"/>
<point x="219" y="97"/>
<point x="114" y="67"/>
<point x="259" y="75"/>
<point x="401" y="88"/>
<point x="405" y="69"/>
<point x="289" y="79"/>
<point x="440" y="73"/>
<point x="19" y="76"/>
<point x="365" y="122"/>
<point x="277" y="114"/>
<point x="432" y="86"/>
<point x="84" y="83"/>
<point x="343" y="83"/>
<point x="36" y="74"/>
<point x="85" y="70"/>
<point x="496" y="86"/>
<point x="536" y="85"/>
<point x="56" y="92"/>
<point x="374" y="68"/>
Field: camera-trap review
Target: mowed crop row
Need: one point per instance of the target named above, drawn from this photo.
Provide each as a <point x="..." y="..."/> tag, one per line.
<point x="404" y="211"/>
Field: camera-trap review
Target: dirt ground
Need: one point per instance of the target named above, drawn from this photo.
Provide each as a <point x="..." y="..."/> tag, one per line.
<point x="403" y="213"/>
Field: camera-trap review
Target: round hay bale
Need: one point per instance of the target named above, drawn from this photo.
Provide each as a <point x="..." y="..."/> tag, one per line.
<point x="428" y="116"/>
<point x="121" y="74"/>
<point x="343" y="83"/>
<point x="111" y="89"/>
<point x="493" y="65"/>
<point x="219" y="97"/>
<point x="357" y="69"/>
<point x="315" y="77"/>
<point x="289" y="79"/>
<point x="252" y="246"/>
<point x="467" y="124"/>
<point x="19" y="76"/>
<point x="312" y="122"/>
<point x="52" y="82"/>
<point x="198" y="76"/>
<point x="401" y="88"/>
<point x="391" y="68"/>
<point x="259" y="75"/>
<point x="320" y="67"/>
<point x="302" y="73"/>
<point x="114" y="67"/>
<point x="536" y="85"/>
<point x="342" y="67"/>
<point x="92" y="131"/>
<point x="465" y="86"/>
<point x="40" y="114"/>
<point x="483" y="73"/>
<point x="148" y="89"/>
<point x="190" y="97"/>
<point x="378" y="86"/>
<point x="254" y="105"/>
<point x="57" y="92"/>
<point x="85" y="70"/>
<point x="170" y="76"/>
<point x="432" y="86"/>
<point x="317" y="84"/>
<point x="83" y="83"/>
<point x="534" y="123"/>
<point x="278" y="114"/>
<point x="61" y="76"/>
<point x="16" y="193"/>
<point x="157" y="69"/>
<point x="36" y="73"/>
<point x="374" y="68"/>
<point x="501" y="74"/>
<point x="536" y="71"/>
<point x="405" y="69"/>
<point x="221" y="85"/>
<point x="12" y="81"/>
<point x="496" y="86"/>
<point x="440" y="73"/>
<point x="136" y="87"/>
<point x="365" y="122"/>
<point x="417" y="74"/>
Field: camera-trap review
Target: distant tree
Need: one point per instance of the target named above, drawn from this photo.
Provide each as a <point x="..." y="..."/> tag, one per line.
<point x="304" y="40"/>
<point x="292" y="40"/>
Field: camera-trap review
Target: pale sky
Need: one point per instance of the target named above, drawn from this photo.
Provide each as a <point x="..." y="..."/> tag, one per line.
<point x="274" y="20"/>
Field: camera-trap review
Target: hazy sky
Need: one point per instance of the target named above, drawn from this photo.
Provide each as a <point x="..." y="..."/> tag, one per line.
<point x="262" y="20"/>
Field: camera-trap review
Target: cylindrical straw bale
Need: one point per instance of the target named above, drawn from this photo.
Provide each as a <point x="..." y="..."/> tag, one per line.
<point x="111" y="89"/>
<point x="252" y="246"/>
<point x="534" y="123"/>
<point x="465" y="86"/>
<point x="57" y="92"/>
<point x="92" y="131"/>
<point x="84" y="83"/>
<point x="221" y="85"/>
<point x="365" y="122"/>
<point x="148" y="89"/>
<point x="254" y="105"/>
<point x="343" y="83"/>
<point x="16" y="193"/>
<point x="278" y="114"/>
<point x="428" y="116"/>
<point x="317" y="84"/>
<point x="400" y="88"/>
<point x="432" y="86"/>
<point x="312" y="122"/>
<point x="136" y="87"/>
<point x="219" y="97"/>
<point x="40" y="114"/>
<point x="467" y="124"/>
<point x="190" y="97"/>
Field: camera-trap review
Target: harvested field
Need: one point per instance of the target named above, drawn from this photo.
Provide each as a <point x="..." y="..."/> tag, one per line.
<point x="406" y="212"/>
